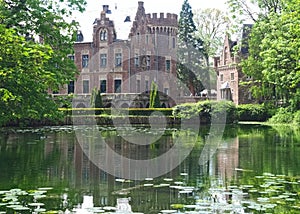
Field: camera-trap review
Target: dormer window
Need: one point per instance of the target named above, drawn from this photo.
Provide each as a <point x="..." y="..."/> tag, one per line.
<point x="79" y="37"/>
<point x="103" y="35"/>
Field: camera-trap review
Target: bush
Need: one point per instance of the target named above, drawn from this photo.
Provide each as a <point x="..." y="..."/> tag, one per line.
<point x="227" y="107"/>
<point x="253" y="112"/>
<point x="296" y="119"/>
<point x="206" y="110"/>
<point x="283" y="115"/>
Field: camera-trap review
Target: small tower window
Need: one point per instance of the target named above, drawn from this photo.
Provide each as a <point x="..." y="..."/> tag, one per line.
<point x="103" y="35"/>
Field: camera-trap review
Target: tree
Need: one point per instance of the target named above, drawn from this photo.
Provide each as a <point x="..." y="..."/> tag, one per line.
<point x="244" y="10"/>
<point x="274" y="55"/>
<point x="98" y="102"/>
<point x="154" y="96"/>
<point x="32" y="68"/>
<point x="22" y="77"/>
<point x="190" y="51"/>
<point x="211" y="24"/>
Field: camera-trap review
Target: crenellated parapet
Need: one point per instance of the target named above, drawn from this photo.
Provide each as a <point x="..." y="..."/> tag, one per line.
<point x="169" y="20"/>
<point x="155" y="23"/>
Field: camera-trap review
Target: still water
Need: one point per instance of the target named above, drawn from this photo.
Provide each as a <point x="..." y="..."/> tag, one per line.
<point x="253" y="169"/>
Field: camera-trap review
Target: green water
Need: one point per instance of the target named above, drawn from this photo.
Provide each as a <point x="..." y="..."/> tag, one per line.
<point x="53" y="157"/>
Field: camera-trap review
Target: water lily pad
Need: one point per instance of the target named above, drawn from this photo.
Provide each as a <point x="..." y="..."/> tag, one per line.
<point x="190" y="206"/>
<point x="148" y="179"/>
<point x="21" y="208"/>
<point x="3" y="192"/>
<point x="290" y="199"/>
<point x="270" y="206"/>
<point x="109" y="208"/>
<point x="260" y="199"/>
<point x="45" y="188"/>
<point x="148" y="185"/>
<point x="177" y="206"/>
<point x="36" y="204"/>
<point x="178" y="182"/>
<point x="40" y="210"/>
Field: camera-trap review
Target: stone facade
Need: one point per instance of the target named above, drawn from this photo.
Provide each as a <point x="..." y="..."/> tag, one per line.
<point x="126" y="66"/>
<point x="231" y="81"/>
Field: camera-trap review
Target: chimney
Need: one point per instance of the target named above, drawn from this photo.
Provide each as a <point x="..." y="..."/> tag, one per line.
<point x="141" y="4"/>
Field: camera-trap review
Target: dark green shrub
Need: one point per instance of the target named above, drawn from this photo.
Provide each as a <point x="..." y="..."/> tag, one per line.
<point x="154" y="96"/>
<point x="296" y="119"/>
<point x="253" y="112"/>
<point x="206" y="110"/>
<point x="98" y="103"/>
<point x="219" y="108"/>
<point x="283" y="115"/>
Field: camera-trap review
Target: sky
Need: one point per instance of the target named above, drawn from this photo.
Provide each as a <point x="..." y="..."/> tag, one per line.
<point x="122" y="8"/>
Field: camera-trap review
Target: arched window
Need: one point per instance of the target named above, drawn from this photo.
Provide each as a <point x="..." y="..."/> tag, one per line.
<point x="103" y="35"/>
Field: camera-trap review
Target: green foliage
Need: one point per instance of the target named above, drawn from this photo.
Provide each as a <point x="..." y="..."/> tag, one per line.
<point x="273" y="61"/>
<point x="253" y="112"/>
<point x="29" y="69"/>
<point x="296" y="119"/>
<point x="210" y="24"/>
<point x="154" y="96"/>
<point x="98" y="102"/>
<point x="23" y="78"/>
<point x="283" y="115"/>
<point x="206" y="110"/>
<point x="286" y="116"/>
<point x="190" y="52"/>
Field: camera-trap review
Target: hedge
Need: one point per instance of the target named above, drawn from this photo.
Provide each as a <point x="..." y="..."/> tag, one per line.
<point x="206" y="110"/>
<point x="117" y="111"/>
<point x="254" y="112"/>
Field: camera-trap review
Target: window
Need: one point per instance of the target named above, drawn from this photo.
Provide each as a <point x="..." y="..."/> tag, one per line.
<point x="103" y="60"/>
<point x="102" y="86"/>
<point x="231" y="76"/>
<point x="71" y="87"/>
<point x="71" y="57"/>
<point x="118" y="59"/>
<point x="118" y="86"/>
<point x="103" y="35"/>
<point x="221" y="77"/>
<point x="138" y="38"/>
<point x="85" y="86"/>
<point x="148" y="62"/>
<point x="136" y="60"/>
<point x="168" y="65"/>
<point x="166" y="91"/>
<point x="85" y="61"/>
<point x="138" y="86"/>
<point x="173" y="42"/>
<point x="146" y="85"/>
<point x="225" y="54"/>
<point x="147" y="39"/>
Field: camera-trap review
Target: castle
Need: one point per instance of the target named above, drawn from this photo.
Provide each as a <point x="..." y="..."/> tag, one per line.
<point x="231" y="81"/>
<point x="125" y="68"/>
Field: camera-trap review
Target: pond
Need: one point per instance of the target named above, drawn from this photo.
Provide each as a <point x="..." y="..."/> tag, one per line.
<point x="253" y="169"/>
